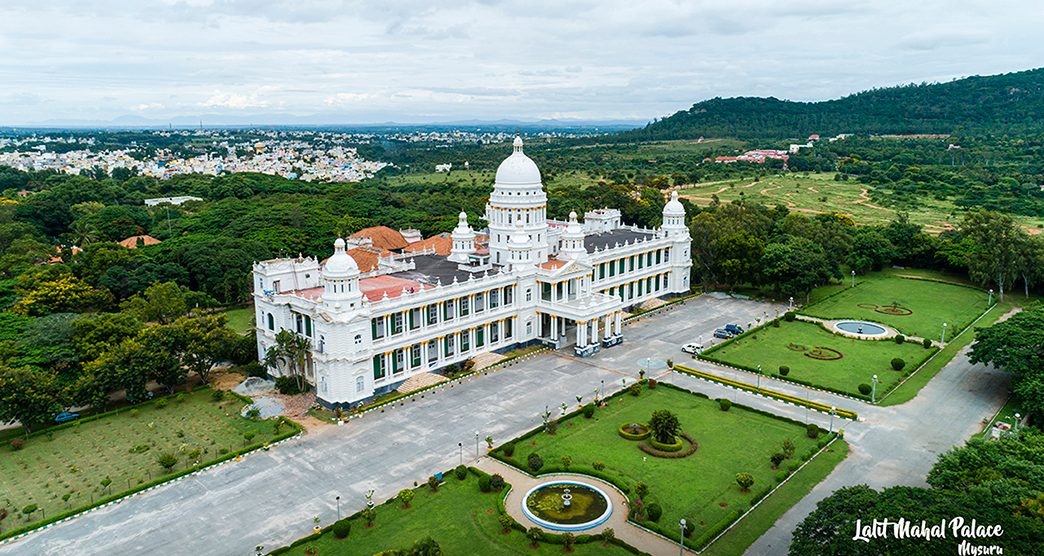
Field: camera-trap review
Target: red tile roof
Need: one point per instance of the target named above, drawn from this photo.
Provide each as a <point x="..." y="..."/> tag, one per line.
<point x="366" y="257"/>
<point x="132" y="242"/>
<point x="383" y="237"/>
<point x="442" y="243"/>
<point x="375" y="288"/>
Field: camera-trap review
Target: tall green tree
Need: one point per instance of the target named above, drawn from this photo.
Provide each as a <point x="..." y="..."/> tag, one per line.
<point x="998" y="241"/>
<point x="1017" y="346"/>
<point x="30" y="396"/>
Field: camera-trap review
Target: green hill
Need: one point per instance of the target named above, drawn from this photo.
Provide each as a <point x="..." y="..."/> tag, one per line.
<point x="1011" y="103"/>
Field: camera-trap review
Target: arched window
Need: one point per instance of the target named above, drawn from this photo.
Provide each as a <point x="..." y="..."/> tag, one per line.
<point x="271" y="322"/>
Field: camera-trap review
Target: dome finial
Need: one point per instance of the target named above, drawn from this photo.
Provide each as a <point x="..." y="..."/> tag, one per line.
<point x="517" y="143"/>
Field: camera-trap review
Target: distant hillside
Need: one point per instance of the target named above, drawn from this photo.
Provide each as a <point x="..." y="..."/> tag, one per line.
<point x="1000" y="104"/>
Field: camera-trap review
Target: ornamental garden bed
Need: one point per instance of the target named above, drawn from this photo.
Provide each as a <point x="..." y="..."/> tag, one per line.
<point x="914" y="307"/>
<point x="701" y="487"/>
<point x="459" y="517"/>
<point x="821" y="358"/>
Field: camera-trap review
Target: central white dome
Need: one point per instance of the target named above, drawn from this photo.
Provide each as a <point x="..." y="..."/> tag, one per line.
<point x="518" y="169"/>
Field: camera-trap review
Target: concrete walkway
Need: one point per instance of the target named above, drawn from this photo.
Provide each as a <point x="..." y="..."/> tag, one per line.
<point x="622" y="528"/>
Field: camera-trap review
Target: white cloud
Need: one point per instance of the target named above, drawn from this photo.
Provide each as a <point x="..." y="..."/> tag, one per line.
<point x="411" y="60"/>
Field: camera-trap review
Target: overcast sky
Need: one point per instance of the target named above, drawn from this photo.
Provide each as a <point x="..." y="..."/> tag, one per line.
<point x="64" y="60"/>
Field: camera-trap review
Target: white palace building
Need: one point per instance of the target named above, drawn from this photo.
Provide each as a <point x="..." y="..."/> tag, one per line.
<point x="525" y="280"/>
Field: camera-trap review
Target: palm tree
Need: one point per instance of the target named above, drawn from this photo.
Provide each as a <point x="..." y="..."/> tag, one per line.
<point x="292" y="349"/>
<point x="82" y="233"/>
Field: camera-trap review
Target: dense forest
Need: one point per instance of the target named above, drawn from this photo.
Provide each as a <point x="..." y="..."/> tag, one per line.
<point x="996" y="104"/>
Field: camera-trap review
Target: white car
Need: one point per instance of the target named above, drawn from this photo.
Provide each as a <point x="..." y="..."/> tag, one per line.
<point x="692" y="348"/>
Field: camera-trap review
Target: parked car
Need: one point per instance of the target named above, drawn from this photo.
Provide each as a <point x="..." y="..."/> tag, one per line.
<point x="722" y="333"/>
<point x="734" y="329"/>
<point x="66" y="416"/>
<point x="692" y="348"/>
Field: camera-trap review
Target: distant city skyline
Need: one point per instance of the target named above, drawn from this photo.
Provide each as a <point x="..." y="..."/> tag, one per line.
<point x="340" y="62"/>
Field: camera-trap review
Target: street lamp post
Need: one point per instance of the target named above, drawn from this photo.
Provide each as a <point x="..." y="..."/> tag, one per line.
<point x="1017" y="418"/>
<point x="853" y="278"/>
<point x="476" y="444"/>
<point x="338" y="498"/>
<point x="833" y="410"/>
<point x="990" y="301"/>
<point x="791" y="308"/>
<point x="460" y="448"/>
<point x="759" y="377"/>
<point x="681" y="537"/>
<point x="943" y="334"/>
<point x="873" y="393"/>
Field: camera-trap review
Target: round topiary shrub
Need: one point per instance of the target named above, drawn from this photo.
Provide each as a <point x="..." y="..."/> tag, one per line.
<point x="653" y="511"/>
<point x="865" y="389"/>
<point x="535" y="462"/>
<point x="724" y="404"/>
<point x="509" y="449"/>
<point x="789" y="316"/>
<point x="461" y="472"/>
<point x="899" y="338"/>
<point x="784" y="370"/>
<point x="589" y="410"/>
<point x="342" y="528"/>
<point x="496" y="482"/>
<point x="217" y="395"/>
<point x="812" y="431"/>
<point x="927" y="343"/>
<point x="484" y="483"/>
<point x="898" y="363"/>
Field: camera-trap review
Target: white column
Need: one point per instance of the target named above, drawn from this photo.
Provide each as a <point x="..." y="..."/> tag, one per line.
<point x="608" y="326"/>
<point x="424" y="355"/>
<point x="594" y="330"/>
<point x="619" y="323"/>
<point x="554" y="329"/>
<point x="581" y="335"/>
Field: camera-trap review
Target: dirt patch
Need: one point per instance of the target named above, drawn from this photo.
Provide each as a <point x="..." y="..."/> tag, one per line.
<point x="225" y="379"/>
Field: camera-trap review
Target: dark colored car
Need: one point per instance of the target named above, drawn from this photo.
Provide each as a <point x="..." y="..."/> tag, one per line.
<point x="66" y="416"/>
<point x="722" y="333"/>
<point x="733" y="329"/>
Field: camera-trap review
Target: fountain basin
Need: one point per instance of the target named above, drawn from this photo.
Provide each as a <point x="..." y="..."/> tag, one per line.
<point x="567" y="506"/>
<point x="861" y="328"/>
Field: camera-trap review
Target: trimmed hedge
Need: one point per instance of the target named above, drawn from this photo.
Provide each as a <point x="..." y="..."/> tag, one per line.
<point x="632" y="436"/>
<point x="664" y="447"/>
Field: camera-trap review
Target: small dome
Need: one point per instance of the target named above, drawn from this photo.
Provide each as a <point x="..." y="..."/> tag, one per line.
<point x="674" y="206"/>
<point x="572" y="215"/>
<point x="462" y="216"/>
<point x="340" y="264"/>
<point x="518" y="169"/>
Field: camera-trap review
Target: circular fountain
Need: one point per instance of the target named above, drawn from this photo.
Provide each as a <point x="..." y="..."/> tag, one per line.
<point x="567" y="506"/>
<point x="860" y="328"/>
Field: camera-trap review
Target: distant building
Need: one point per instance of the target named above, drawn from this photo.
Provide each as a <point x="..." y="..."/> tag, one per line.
<point x="813" y="137"/>
<point x="444" y="167"/>
<point x="133" y="242"/>
<point x="170" y="200"/>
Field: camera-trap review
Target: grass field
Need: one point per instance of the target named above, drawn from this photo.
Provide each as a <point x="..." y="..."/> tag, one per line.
<point x="122" y="447"/>
<point x="771" y="347"/>
<point x="740" y="537"/>
<point x="701" y="487"/>
<point x="241" y="319"/>
<point x="818" y="193"/>
<point x="932" y="303"/>
<point x="459" y="517"/>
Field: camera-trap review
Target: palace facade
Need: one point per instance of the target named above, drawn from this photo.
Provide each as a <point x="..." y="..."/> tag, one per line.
<point x="525" y="279"/>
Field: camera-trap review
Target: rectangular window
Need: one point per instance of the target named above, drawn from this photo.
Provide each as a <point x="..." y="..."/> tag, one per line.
<point x="601" y="271"/>
<point x="648" y="256"/>
<point x="621" y="262"/>
<point x="630" y="263"/>
<point x="464" y="307"/>
<point x="508" y="323"/>
<point x="447" y="345"/>
<point x="397" y="362"/>
<point x="396" y="323"/>
<point x="494" y="299"/>
<point x="377" y="326"/>
<point x="659" y="253"/>
<point x="433" y="351"/>
<point x="298" y="323"/>
<point x="415" y="356"/>
<point x="480" y="302"/>
<point x="465" y="341"/>
<point x="415" y="319"/>
<point x="630" y="290"/>
<point x="640" y="284"/>
<point x="378" y="366"/>
<point x="494" y="332"/>
<point x="509" y="295"/>
<point x="664" y="281"/>
<point x="545" y="291"/>
<point x="433" y="315"/>
<point x="480" y="337"/>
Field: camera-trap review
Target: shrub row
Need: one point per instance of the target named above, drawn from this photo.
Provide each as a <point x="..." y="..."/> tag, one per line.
<point x="679" y="453"/>
<point x="778" y="395"/>
<point x="712" y="349"/>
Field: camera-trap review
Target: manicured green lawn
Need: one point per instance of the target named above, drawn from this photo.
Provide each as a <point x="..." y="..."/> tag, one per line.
<point x="771" y="347"/>
<point x="459" y="517"/>
<point x="241" y="320"/>
<point x="75" y="460"/>
<point x="931" y="303"/>
<point x="740" y="537"/>
<point x="701" y="487"/>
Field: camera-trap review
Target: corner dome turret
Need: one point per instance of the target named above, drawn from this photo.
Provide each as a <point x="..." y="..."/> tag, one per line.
<point x="674" y="206"/>
<point x="340" y="264"/>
